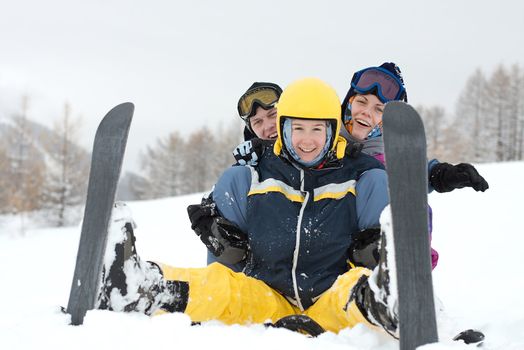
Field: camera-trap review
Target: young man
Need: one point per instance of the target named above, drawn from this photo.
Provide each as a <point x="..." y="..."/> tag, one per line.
<point x="257" y="108"/>
<point x="298" y="209"/>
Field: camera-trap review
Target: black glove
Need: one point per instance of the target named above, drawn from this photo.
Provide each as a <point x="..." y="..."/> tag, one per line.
<point x="250" y="152"/>
<point x="445" y="177"/>
<point x="363" y="250"/>
<point x="221" y="237"/>
<point x="353" y="149"/>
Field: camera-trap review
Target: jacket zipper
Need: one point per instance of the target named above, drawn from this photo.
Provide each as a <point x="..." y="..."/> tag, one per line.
<point x="297" y="243"/>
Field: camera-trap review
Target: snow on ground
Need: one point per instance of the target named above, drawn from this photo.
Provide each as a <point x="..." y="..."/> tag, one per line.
<point x="479" y="280"/>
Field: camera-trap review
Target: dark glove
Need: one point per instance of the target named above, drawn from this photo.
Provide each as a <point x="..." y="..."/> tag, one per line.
<point x="363" y="250"/>
<point x="445" y="177"/>
<point x="249" y="152"/>
<point x="353" y="149"/>
<point x="201" y="215"/>
<point x="221" y="237"/>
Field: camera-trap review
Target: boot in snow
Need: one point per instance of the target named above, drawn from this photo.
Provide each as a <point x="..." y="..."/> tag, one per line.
<point x="376" y="296"/>
<point x="129" y="283"/>
<point x="299" y="323"/>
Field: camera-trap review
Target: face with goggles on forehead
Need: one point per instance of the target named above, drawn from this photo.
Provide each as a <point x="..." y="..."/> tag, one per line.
<point x="257" y="108"/>
<point x="366" y="116"/>
<point x="263" y="123"/>
<point x="370" y="90"/>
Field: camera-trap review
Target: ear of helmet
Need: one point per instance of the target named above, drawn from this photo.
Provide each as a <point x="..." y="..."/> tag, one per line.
<point x="310" y="98"/>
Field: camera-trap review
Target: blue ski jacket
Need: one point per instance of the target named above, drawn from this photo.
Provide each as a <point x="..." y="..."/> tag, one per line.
<point x="300" y="221"/>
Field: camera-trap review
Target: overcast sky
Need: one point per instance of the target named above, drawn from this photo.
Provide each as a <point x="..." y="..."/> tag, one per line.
<point x="185" y="63"/>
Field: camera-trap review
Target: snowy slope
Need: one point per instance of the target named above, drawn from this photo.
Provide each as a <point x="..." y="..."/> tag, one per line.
<point x="478" y="281"/>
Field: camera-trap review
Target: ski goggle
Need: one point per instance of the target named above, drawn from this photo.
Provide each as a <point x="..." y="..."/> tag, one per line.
<point x="265" y="96"/>
<point x="387" y="85"/>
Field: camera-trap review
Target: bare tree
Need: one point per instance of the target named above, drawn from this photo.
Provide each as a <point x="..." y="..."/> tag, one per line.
<point x="226" y="139"/>
<point x="209" y="153"/>
<point x="164" y="168"/>
<point x="133" y="186"/>
<point x="68" y="168"/>
<point x="516" y="113"/>
<point x="175" y="166"/>
<point x="434" y="123"/>
<point x="26" y="164"/>
<point x="199" y="160"/>
<point x="25" y="173"/>
<point x="500" y="106"/>
<point x="4" y="180"/>
<point x="472" y="116"/>
<point x="453" y="148"/>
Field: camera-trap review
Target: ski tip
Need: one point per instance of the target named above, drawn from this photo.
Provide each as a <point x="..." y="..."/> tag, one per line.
<point x="123" y="112"/>
<point x="394" y="106"/>
<point x="398" y="115"/>
<point x="119" y="117"/>
<point x="126" y="107"/>
<point x="398" y="104"/>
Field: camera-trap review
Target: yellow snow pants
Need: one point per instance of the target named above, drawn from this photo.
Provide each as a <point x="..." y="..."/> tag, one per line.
<point x="218" y="293"/>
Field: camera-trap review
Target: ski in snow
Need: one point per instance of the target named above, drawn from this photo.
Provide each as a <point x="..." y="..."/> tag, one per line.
<point x="406" y="166"/>
<point x="106" y="163"/>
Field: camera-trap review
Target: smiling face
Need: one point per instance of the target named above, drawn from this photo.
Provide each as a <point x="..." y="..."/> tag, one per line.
<point x="264" y="124"/>
<point x="308" y="137"/>
<point x="366" y="112"/>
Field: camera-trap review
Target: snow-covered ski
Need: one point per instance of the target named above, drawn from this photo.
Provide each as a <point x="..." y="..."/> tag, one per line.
<point x="106" y="163"/>
<point x="406" y="164"/>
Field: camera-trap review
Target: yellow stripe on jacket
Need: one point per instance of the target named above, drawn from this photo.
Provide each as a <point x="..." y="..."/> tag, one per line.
<point x="335" y="191"/>
<point x="331" y="191"/>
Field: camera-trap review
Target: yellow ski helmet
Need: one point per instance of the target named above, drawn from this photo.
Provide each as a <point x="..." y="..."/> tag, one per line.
<point x="310" y="98"/>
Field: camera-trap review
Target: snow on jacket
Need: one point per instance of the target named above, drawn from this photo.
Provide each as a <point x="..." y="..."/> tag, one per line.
<point x="300" y="221"/>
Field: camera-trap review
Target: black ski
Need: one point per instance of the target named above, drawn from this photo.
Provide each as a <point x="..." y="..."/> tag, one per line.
<point x="406" y="164"/>
<point x="106" y="163"/>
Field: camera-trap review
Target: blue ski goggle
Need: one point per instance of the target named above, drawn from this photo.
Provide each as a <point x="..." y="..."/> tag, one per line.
<point x="388" y="87"/>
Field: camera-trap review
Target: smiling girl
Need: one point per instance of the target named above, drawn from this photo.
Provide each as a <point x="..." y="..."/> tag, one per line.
<point x="362" y="110"/>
